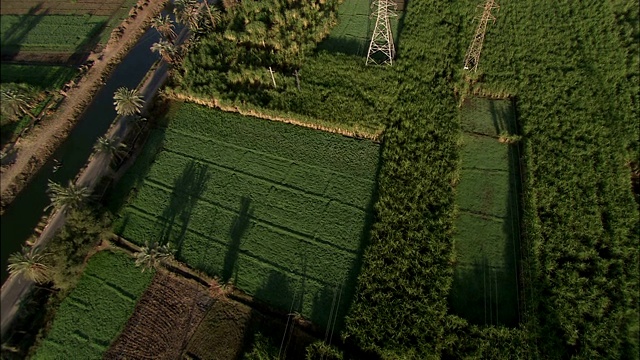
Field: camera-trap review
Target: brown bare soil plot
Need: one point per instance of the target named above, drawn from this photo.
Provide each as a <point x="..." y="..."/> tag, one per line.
<point x="221" y="335"/>
<point x="166" y="316"/>
<point x="229" y="330"/>
<point x="60" y="7"/>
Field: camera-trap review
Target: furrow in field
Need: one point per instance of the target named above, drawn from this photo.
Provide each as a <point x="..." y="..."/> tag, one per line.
<point x="179" y="139"/>
<point x="322" y="217"/>
<point x="120" y="292"/>
<point x="358" y="158"/>
<point x="483" y="216"/>
<point x="329" y="187"/>
<point x="263" y="242"/>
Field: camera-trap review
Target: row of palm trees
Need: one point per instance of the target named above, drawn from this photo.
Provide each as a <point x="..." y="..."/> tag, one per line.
<point x="30" y="261"/>
<point x="189" y="13"/>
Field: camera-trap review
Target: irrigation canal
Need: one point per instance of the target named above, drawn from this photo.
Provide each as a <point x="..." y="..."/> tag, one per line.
<point x="22" y="216"/>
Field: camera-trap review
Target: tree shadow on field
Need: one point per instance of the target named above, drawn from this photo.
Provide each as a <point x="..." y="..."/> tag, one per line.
<point x="502" y="118"/>
<point x="512" y="224"/>
<point x="238" y="229"/>
<point x="187" y="189"/>
<point x="15" y="35"/>
<point x="345" y="45"/>
<point x="277" y="333"/>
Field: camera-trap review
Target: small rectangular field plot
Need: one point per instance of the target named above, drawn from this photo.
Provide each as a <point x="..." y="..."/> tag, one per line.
<point x="487" y="229"/>
<point x="45" y="77"/>
<point x="483" y="152"/>
<point x="254" y="201"/>
<point x="60" y="7"/>
<point x="48" y="33"/>
<point x="91" y="317"/>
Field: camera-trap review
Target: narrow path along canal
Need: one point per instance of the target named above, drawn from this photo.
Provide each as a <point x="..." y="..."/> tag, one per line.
<point x="21" y="217"/>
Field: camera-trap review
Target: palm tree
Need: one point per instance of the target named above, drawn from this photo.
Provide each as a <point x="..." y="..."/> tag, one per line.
<point x="127" y="101"/>
<point x="72" y="196"/>
<point x="167" y="50"/>
<point x="187" y="13"/>
<point x="29" y="264"/>
<point x="214" y="14"/>
<point x="109" y="146"/>
<point x="150" y="255"/>
<point x="15" y="103"/>
<point x="164" y="25"/>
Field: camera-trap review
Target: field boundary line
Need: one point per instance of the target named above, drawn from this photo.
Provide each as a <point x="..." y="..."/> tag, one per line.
<point x="261" y="179"/>
<point x="120" y="292"/>
<point x="484" y="169"/>
<point x="277" y="228"/>
<point x="467" y="265"/>
<point x="188" y="134"/>
<point x="483" y="215"/>
<point x="215" y="103"/>
<point x="259" y="259"/>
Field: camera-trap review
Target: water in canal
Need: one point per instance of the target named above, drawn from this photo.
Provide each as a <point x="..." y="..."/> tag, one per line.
<point x="22" y="216"/>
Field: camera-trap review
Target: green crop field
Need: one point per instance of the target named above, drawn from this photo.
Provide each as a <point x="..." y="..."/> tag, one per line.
<point x="486" y="242"/>
<point x="95" y="312"/>
<point x="280" y="210"/>
<point x="46" y="77"/>
<point x="48" y="33"/>
<point x="355" y="26"/>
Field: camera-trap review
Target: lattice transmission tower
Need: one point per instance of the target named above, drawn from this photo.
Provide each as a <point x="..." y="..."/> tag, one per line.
<point x="381" y="49"/>
<point x="473" y="54"/>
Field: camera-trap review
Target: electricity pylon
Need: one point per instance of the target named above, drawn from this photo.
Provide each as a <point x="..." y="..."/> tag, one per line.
<point x="382" y="38"/>
<point x="473" y="54"/>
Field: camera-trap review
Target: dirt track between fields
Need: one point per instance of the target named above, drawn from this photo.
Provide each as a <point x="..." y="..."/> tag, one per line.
<point x="33" y="150"/>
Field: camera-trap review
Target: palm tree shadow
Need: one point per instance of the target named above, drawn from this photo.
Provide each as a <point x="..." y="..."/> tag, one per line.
<point x="236" y="232"/>
<point x="187" y="189"/>
<point x="16" y="33"/>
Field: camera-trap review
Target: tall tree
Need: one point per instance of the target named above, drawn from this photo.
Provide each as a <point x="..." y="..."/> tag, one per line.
<point x="164" y="25"/>
<point x="187" y="13"/>
<point x="14" y="103"/>
<point x="127" y="101"/>
<point x="72" y="196"/>
<point x="167" y="50"/>
<point x="151" y="254"/>
<point x="29" y="263"/>
<point x="214" y="15"/>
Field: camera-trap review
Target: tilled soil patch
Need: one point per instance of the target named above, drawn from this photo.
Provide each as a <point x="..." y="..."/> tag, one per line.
<point x="162" y="324"/>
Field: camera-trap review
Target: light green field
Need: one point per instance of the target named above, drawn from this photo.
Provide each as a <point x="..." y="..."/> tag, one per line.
<point x="96" y="311"/>
<point x="485" y="289"/>
<point x="280" y="210"/>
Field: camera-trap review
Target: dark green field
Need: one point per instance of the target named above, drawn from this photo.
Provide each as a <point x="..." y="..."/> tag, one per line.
<point x="485" y="288"/>
<point x="280" y="210"/>
<point x="44" y="77"/>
